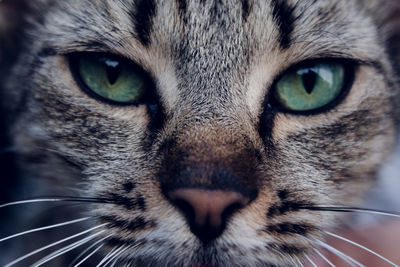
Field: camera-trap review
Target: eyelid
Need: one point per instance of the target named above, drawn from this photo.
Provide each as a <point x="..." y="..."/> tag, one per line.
<point x="79" y="47"/>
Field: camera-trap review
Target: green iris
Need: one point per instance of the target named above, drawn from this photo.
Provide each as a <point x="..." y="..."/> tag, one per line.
<point x="112" y="79"/>
<point x="310" y="88"/>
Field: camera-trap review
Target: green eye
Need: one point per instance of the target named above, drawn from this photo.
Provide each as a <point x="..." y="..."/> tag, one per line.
<point x="112" y="78"/>
<point x="310" y="88"/>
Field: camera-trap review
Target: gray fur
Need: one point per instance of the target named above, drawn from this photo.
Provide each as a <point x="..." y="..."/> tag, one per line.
<point x="213" y="65"/>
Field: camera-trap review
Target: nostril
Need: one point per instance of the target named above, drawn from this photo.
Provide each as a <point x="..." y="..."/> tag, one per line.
<point x="207" y="210"/>
<point x="185" y="207"/>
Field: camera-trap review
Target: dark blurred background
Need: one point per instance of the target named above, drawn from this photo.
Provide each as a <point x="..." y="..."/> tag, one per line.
<point x="11" y="36"/>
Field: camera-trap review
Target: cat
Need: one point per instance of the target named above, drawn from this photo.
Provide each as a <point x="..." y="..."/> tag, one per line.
<point x="192" y="133"/>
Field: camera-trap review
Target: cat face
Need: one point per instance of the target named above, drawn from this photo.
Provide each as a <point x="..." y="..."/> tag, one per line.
<point x="182" y="118"/>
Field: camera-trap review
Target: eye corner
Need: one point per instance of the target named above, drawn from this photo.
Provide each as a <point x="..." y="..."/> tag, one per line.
<point x="349" y="67"/>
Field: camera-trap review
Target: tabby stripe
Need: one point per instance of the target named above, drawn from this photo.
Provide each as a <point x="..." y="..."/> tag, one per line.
<point x="143" y="20"/>
<point x="128" y="203"/>
<point x="283" y="194"/>
<point x="245" y="9"/>
<point x="129" y="186"/>
<point x="290" y="228"/>
<point x="115" y="241"/>
<point x="283" y="208"/>
<point x="284" y="205"/>
<point x="283" y="16"/>
<point x="287" y="206"/>
<point x="287" y="249"/>
<point x="122" y="241"/>
<point x="134" y="225"/>
<point x="182" y="7"/>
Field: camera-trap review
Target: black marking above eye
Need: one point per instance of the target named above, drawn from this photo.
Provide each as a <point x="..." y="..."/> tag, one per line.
<point x="245" y="9"/>
<point x="283" y="15"/>
<point x="143" y="20"/>
<point x="182" y="6"/>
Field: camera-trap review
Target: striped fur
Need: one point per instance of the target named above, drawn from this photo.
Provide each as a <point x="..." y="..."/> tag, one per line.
<point x="213" y="63"/>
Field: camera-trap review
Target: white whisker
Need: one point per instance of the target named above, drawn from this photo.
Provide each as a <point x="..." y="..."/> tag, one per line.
<point x="114" y="262"/>
<point x="111" y="256"/>
<point x="324" y="258"/>
<point x="52" y="245"/>
<point x="293" y="261"/>
<point x="116" y="255"/>
<point x="30" y="201"/>
<point x="362" y="247"/>
<point x="285" y="257"/>
<point x="88" y="256"/>
<point x="351" y="209"/>
<point x="66" y="249"/>
<point x="106" y="257"/>
<point x="376" y="212"/>
<point x="44" y="228"/>
<point x="87" y="249"/>
<point x="342" y="255"/>
<point x="311" y="261"/>
<point x="299" y="262"/>
<point x="85" y="200"/>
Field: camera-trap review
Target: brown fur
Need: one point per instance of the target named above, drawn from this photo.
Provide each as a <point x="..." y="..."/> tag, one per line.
<point x="214" y="64"/>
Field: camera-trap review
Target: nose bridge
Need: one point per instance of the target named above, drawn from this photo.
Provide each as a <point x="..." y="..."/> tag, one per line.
<point x="218" y="147"/>
<point x="211" y="157"/>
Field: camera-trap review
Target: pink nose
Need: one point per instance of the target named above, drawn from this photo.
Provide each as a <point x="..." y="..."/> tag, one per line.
<point x="207" y="210"/>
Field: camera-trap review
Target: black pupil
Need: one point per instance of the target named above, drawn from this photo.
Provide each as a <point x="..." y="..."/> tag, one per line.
<point x="113" y="69"/>
<point x="309" y="77"/>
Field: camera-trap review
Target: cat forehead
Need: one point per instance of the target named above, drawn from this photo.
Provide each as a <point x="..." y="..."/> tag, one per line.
<point x="201" y="50"/>
<point x="286" y="24"/>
